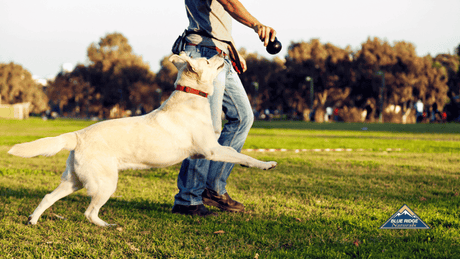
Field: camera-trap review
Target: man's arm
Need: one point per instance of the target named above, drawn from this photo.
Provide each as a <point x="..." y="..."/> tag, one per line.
<point x="239" y="13"/>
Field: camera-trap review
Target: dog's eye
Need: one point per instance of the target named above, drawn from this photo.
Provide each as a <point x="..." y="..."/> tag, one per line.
<point x="221" y="66"/>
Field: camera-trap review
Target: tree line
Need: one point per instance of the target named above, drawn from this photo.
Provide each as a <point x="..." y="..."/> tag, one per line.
<point x="312" y="76"/>
<point x="373" y="78"/>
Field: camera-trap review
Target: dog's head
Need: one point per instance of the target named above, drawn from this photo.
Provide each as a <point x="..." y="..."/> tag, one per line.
<point x="197" y="73"/>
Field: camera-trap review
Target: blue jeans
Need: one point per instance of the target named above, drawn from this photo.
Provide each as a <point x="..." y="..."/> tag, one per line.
<point x="229" y="96"/>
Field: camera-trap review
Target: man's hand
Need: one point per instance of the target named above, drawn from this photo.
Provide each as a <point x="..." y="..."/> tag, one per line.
<point x="243" y="63"/>
<point x="239" y="13"/>
<point x="266" y="34"/>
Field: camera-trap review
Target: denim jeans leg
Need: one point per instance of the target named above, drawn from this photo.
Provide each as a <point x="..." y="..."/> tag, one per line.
<point x="193" y="173"/>
<point x="191" y="179"/>
<point x="240" y="118"/>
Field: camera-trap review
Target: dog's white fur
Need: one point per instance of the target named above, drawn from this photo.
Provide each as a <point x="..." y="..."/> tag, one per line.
<point x="180" y="128"/>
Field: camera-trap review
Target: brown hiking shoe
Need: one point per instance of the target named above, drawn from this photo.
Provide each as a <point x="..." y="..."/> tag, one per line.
<point x="223" y="202"/>
<point x="194" y="210"/>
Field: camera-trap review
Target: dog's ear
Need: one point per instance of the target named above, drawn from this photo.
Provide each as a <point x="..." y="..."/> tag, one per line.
<point x="182" y="59"/>
<point x="178" y="60"/>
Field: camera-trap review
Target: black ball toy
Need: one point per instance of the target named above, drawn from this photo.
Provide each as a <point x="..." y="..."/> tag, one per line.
<point x="274" y="47"/>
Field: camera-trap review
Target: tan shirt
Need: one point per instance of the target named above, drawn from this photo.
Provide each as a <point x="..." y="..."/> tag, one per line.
<point x="209" y="16"/>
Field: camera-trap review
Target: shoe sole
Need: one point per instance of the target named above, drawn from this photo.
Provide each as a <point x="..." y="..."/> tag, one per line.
<point x="211" y="214"/>
<point x="210" y="202"/>
<point x="194" y="213"/>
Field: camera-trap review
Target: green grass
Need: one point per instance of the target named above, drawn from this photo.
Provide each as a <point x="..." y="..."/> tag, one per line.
<point x="313" y="205"/>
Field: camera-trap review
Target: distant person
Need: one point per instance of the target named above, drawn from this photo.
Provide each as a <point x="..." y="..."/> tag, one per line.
<point x="419" y="111"/>
<point x="434" y="111"/>
<point x="328" y="113"/>
<point x="208" y="34"/>
<point x="336" y="114"/>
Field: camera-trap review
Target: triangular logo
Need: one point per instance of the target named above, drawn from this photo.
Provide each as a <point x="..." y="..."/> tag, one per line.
<point x="404" y="218"/>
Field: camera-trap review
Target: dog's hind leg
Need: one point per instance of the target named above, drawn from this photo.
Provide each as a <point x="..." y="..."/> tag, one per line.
<point x="100" y="190"/>
<point x="230" y="155"/>
<point x="98" y="199"/>
<point x="69" y="184"/>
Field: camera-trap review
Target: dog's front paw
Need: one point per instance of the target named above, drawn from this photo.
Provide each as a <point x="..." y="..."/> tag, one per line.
<point x="30" y="221"/>
<point x="269" y="165"/>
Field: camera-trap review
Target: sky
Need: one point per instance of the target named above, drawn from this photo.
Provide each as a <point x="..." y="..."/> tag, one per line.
<point x="42" y="35"/>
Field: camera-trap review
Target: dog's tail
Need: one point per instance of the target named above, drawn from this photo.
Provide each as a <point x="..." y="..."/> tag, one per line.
<point x="45" y="146"/>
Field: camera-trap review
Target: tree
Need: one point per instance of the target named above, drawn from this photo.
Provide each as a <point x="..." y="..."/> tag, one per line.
<point x="433" y="80"/>
<point x="328" y="66"/>
<point x="166" y="76"/>
<point x="74" y="93"/>
<point x="304" y="59"/>
<point x="407" y="76"/>
<point x="115" y="69"/>
<point x="344" y="78"/>
<point x="451" y="64"/>
<point x="374" y="56"/>
<point x="261" y="81"/>
<point x="114" y="76"/>
<point x="17" y="85"/>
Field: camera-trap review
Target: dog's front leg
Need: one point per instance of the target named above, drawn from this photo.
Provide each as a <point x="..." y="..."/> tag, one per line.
<point x="230" y="155"/>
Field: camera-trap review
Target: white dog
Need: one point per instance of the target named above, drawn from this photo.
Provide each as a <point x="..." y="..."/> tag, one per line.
<point x="180" y="128"/>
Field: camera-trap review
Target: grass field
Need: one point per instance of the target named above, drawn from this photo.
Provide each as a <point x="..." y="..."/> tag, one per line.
<point x="313" y="205"/>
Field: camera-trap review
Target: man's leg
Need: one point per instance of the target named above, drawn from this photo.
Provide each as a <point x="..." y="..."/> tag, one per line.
<point x="193" y="173"/>
<point x="238" y="112"/>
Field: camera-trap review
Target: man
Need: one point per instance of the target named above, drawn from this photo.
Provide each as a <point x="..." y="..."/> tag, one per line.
<point x="419" y="111"/>
<point x="209" y="33"/>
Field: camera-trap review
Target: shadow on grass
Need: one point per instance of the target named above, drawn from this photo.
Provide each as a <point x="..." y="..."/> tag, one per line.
<point x="28" y="199"/>
<point x="319" y="236"/>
